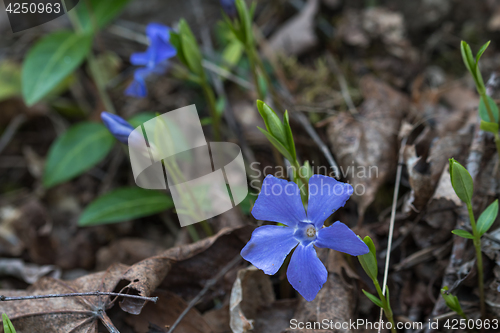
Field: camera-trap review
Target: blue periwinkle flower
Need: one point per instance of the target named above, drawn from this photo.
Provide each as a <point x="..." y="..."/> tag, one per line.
<point x="117" y="126"/>
<point x="229" y="7"/>
<point x="154" y="60"/>
<point x="279" y="201"/>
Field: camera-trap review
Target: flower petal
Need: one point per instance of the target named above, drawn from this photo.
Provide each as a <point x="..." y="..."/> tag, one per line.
<point x="279" y="201"/>
<point x="268" y="247"/>
<point x="326" y="195"/>
<point x="117" y="126"/>
<point x="339" y="237"/>
<point x="140" y="58"/>
<point x="306" y="273"/>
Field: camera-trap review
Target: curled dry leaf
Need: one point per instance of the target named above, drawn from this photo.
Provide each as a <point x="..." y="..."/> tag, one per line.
<point x="365" y="147"/>
<point x="297" y="35"/>
<point x="185" y="269"/>
<point x="188" y="268"/>
<point x="68" y="314"/>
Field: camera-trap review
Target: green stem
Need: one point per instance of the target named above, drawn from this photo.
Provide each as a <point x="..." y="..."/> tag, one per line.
<point x="210" y="96"/>
<point x="298" y="176"/>
<point x="193" y="233"/>
<point x="387" y="309"/>
<point x="479" y="259"/>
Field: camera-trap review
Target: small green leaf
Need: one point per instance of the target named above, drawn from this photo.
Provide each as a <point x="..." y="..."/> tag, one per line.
<point x="192" y="55"/>
<point x="487" y="218"/>
<point x="245" y="21"/>
<point x="98" y="13"/>
<point x="273" y="123"/>
<point x="463" y="233"/>
<point x="50" y="61"/>
<point x="489" y="127"/>
<point x="467" y="57"/>
<point x="7" y="324"/>
<point x="306" y="170"/>
<point x="481" y="51"/>
<point x="289" y="136"/>
<point x="277" y="144"/>
<point x="452" y="302"/>
<point x="232" y="53"/>
<point x="483" y="112"/>
<point x="369" y="261"/>
<point x="79" y="149"/>
<point x="373" y="298"/>
<point x="124" y="204"/>
<point x="461" y="181"/>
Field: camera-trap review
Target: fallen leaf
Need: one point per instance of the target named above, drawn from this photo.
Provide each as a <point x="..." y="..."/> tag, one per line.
<point x="365" y="146"/>
<point x="297" y="35"/>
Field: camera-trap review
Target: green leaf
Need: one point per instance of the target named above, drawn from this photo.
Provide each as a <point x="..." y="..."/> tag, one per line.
<point x="481" y="51"/>
<point x="124" y="204"/>
<point x="452" y="302"/>
<point x="369" y="261"/>
<point x="232" y="53"/>
<point x="96" y="14"/>
<point x="306" y="171"/>
<point x="10" y="80"/>
<point x="373" y="298"/>
<point x="79" y="149"/>
<point x="50" y="61"/>
<point x="467" y="57"/>
<point x="289" y="136"/>
<point x="7" y="324"/>
<point x="245" y="21"/>
<point x="489" y="127"/>
<point x="463" y="233"/>
<point x="192" y="55"/>
<point x="461" y="181"/>
<point x="277" y="144"/>
<point x="273" y="123"/>
<point x="140" y="118"/>
<point x="483" y="112"/>
<point x="487" y="218"/>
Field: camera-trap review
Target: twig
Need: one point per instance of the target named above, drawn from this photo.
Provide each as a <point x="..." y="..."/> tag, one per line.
<point x="210" y="283"/>
<point x="93" y="293"/>
<point x="393" y="217"/>
<point x="11" y="129"/>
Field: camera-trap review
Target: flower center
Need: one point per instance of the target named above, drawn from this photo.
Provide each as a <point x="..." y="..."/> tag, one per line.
<point x="311" y="231"/>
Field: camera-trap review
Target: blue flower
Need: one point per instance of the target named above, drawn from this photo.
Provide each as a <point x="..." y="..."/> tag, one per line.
<point x="117" y="126"/>
<point x="153" y="60"/>
<point x="279" y="201"/>
<point x="229" y="7"/>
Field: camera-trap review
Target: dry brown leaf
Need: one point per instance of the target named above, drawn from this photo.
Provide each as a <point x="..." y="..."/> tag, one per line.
<point x="368" y="143"/>
<point x="68" y="314"/>
<point x="188" y="267"/>
<point x="297" y="35"/>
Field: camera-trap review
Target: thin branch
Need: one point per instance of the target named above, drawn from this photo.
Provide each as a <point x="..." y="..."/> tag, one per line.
<point x="93" y="293"/>
<point x="393" y="217"/>
<point x="11" y="129"/>
<point x="210" y="283"/>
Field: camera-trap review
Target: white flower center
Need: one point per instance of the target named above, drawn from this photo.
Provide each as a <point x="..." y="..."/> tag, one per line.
<point x="311" y="231"/>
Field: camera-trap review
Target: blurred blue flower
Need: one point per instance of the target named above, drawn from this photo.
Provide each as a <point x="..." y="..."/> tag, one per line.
<point x="279" y="201"/>
<point x="229" y="7"/>
<point x="154" y="59"/>
<point x="117" y="126"/>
